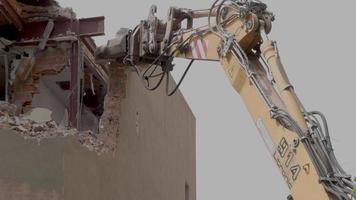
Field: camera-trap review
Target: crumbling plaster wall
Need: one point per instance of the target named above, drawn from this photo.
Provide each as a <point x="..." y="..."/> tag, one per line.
<point x="154" y="158"/>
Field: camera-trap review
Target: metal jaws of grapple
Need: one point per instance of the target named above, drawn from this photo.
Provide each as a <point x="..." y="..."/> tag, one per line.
<point x="146" y="42"/>
<point x="115" y="49"/>
<point x="133" y="45"/>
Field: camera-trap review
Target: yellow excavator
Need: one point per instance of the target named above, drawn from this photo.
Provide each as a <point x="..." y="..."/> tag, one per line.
<point x="236" y="35"/>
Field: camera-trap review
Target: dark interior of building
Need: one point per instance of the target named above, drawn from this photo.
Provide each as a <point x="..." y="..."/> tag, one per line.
<point x="2" y="82"/>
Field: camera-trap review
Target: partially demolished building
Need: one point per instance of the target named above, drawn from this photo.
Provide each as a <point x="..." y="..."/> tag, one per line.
<point x="73" y="129"/>
<point x="47" y="48"/>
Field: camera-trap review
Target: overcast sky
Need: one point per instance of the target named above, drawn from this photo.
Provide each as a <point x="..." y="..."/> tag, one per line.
<point x="317" y="44"/>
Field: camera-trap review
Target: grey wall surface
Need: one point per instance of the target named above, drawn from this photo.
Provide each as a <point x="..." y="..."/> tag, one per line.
<point x="316" y="40"/>
<point x="155" y="159"/>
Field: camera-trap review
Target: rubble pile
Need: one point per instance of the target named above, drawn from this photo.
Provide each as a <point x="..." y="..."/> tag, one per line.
<point x="31" y="129"/>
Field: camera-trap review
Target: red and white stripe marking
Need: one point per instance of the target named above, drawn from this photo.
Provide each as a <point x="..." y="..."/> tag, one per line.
<point x="199" y="49"/>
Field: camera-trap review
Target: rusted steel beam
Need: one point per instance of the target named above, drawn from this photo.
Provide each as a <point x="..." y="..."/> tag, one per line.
<point x="75" y="65"/>
<point x="86" y="27"/>
<point x="52" y="42"/>
<point x="9" y="13"/>
<point x="89" y="43"/>
<point x="97" y="70"/>
<point x="94" y="26"/>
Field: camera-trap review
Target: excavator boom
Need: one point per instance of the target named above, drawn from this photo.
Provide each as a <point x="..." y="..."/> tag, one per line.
<point x="236" y="35"/>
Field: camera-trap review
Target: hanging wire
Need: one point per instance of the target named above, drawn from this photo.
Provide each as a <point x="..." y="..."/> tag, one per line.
<point x="170" y="93"/>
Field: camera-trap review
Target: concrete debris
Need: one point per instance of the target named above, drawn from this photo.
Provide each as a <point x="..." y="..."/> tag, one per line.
<point x="7" y="108"/>
<point x="39" y="115"/>
<point x="110" y="120"/>
<point x="43" y="13"/>
<point x="41" y="129"/>
<point x="93" y="143"/>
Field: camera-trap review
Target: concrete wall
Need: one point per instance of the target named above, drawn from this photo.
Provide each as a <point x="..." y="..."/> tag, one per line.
<point x="155" y="159"/>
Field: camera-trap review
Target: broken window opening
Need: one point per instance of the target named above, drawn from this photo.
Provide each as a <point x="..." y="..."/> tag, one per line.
<point x="92" y="98"/>
<point x="94" y="94"/>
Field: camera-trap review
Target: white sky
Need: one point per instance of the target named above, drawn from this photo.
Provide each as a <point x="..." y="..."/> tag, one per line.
<point x="317" y="43"/>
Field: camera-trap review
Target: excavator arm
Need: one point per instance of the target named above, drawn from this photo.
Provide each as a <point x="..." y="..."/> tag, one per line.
<point x="237" y="36"/>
